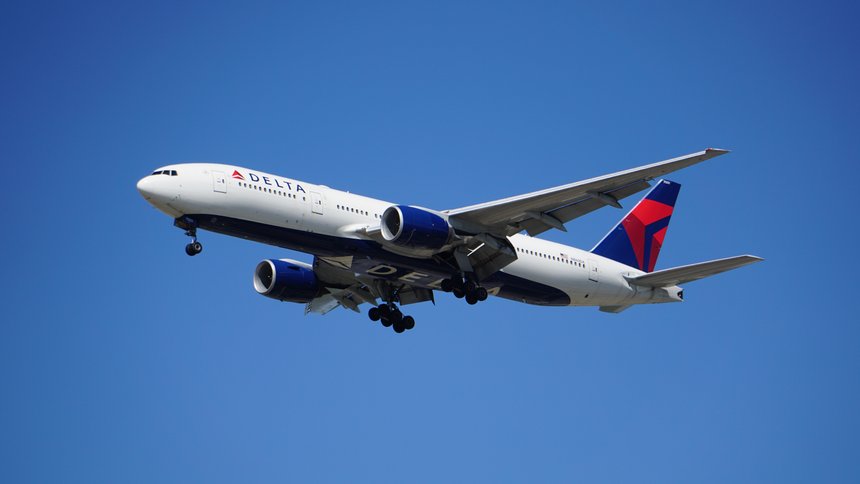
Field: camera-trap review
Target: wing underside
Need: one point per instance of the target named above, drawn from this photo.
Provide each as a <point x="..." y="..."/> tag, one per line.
<point x="349" y="289"/>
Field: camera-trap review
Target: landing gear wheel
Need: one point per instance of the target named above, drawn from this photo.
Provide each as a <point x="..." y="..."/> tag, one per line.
<point x="481" y="294"/>
<point x="194" y="248"/>
<point x="385" y="322"/>
<point x="398" y="328"/>
<point x="459" y="293"/>
<point x="396" y="317"/>
<point x="470" y="287"/>
<point x="408" y="322"/>
<point x="384" y="311"/>
<point x="471" y="298"/>
<point x="447" y="285"/>
<point x="373" y="314"/>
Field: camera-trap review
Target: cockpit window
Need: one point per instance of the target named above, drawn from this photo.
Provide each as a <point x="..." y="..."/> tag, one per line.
<point x="165" y="172"/>
<point x="172" y="172"/>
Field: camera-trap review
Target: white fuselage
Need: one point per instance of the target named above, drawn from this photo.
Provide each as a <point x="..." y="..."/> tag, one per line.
<point x="219" y="190"/>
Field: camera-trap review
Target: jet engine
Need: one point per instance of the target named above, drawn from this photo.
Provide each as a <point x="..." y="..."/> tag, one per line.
<point x="415" y="228"/>
<point x="286" y="280"/>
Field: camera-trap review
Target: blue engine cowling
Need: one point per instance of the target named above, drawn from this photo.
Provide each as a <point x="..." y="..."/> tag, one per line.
<point x="286" y="280"/>
<point x="414" y="228"/>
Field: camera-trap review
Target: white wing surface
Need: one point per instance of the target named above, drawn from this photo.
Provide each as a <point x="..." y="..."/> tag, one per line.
<point x="540" y="211"/>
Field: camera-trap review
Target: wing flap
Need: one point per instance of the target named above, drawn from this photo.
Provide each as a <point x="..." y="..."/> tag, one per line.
<point x="692" y="272"/>
<point x="322" y="304"/>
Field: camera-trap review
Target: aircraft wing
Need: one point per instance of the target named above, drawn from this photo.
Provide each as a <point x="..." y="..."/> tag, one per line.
<point x="692" y="272"/>
<point x="540" y="211"/>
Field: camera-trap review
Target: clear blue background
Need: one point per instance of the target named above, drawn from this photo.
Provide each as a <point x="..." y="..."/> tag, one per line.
<point x="123" y="360"/>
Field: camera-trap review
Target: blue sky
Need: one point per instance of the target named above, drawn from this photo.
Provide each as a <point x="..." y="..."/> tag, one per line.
<point x="123" y="360"/>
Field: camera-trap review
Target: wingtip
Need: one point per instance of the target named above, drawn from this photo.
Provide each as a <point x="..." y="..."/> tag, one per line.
<point x="749" y="258"/>
<point x="716" y="151"/>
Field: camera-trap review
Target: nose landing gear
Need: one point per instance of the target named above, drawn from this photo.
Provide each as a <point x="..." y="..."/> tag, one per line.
<point x="190" y="226"/>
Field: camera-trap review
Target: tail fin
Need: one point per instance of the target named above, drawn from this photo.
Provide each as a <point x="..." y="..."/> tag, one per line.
<point x="637" y="238"/>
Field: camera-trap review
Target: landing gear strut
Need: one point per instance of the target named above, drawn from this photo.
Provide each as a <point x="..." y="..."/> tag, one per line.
<point x="468" y="289"/>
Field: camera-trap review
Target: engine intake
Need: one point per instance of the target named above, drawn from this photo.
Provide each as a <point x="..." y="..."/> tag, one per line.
<point x="286" y="280"/>
<point x="414" y="228"/>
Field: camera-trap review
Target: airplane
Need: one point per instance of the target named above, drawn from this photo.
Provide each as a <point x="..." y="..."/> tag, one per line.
<point x="391" y="255"/>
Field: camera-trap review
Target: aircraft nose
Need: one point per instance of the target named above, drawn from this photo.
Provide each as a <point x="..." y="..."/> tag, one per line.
<point x="145" y="187"/>
<point x="156" y="189"/>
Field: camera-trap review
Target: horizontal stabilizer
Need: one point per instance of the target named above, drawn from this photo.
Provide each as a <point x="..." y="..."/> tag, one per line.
<point x="692" y="272"/>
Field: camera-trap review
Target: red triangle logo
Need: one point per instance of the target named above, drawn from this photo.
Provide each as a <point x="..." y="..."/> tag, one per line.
<point x="238" y="175"/>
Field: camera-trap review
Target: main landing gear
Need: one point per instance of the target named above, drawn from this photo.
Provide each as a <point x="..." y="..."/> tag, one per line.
<point x="388" y="312"/>
<point x="390" y="316"/>
<point x="468" y="289"/>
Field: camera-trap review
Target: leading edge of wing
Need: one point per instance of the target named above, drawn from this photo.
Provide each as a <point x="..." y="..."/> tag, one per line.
<point x="645" y="172"/>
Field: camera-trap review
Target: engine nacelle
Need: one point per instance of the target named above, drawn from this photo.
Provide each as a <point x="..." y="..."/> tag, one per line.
<point x="414" y="228"/>
<point x="286" y="280"/>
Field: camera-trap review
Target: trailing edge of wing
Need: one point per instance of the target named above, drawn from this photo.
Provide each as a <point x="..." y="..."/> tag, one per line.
<point x="539" y="211"/>
<point x="692" y="272"/>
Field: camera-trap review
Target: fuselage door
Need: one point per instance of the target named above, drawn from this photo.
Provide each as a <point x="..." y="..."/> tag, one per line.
<point x="316" y="203"/>
<point x="592" y="271"/>
<point x="219" y="182"/>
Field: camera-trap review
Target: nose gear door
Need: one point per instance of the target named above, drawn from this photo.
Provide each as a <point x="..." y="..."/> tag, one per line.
<point x="219" y="182"/>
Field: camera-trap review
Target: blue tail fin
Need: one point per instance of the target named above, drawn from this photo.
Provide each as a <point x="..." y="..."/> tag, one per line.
<point x="638" y="237"/>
